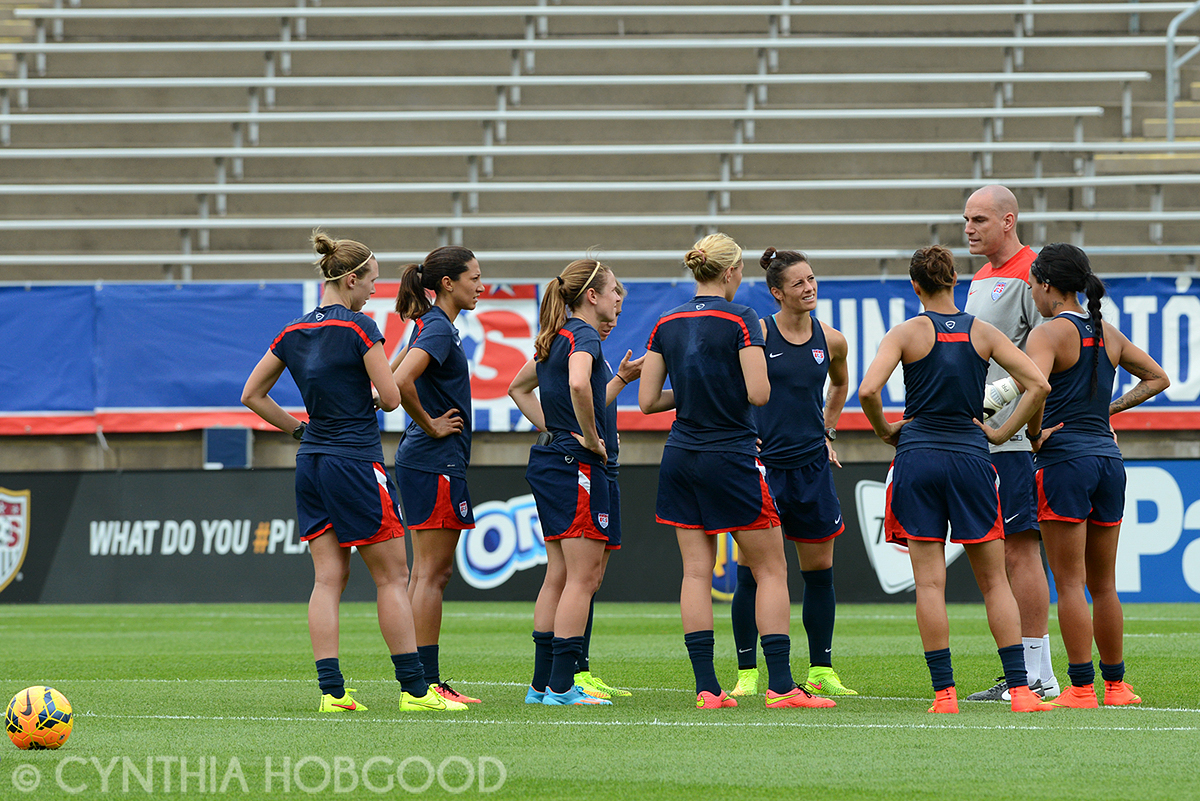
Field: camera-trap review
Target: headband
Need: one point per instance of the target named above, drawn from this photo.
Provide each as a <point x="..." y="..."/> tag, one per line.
<point x="353" y="270"/>
<point x="583" y="289"/>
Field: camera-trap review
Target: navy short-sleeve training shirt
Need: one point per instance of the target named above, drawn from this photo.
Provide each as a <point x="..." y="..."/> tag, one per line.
<point x="324" y="351"/>
<point x="700" y="342"/>
<point x="555" y="391"/>
<point x="444" y="385"/>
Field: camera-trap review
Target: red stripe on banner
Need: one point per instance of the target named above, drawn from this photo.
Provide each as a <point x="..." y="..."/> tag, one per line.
<point x="954" y="337"/>
<point x="634" y="420"/>
<point x="17" y="424"/>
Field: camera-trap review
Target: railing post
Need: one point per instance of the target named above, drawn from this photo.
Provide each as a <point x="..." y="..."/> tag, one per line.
<point x="1173" y="66"/>
<point x="1127" y="109"/>
<point x="1156" y="205"/>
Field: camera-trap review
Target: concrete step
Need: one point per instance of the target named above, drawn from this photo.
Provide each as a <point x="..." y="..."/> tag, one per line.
<point x="1150" y="163"/>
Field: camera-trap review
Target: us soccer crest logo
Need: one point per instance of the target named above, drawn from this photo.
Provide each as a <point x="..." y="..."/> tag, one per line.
<point x="14" y="533"/>
<point x="998" y="289"/>
<point x="462" y="509"/>
<point x="819" y="355"/>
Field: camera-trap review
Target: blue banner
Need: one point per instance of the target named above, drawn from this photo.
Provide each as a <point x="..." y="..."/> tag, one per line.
<point x="162" y="357"/>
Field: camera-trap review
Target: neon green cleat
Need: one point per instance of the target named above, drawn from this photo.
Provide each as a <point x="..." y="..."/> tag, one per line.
<point x="430" y="702"/>
<point x="595" y="686"/>
<point x="747" y="683"/>
<point x="343" y="704"/>
<point x="823" y="681"/>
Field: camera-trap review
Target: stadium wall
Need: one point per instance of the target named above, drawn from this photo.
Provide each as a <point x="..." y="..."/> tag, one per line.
<point x="230" y="536"/>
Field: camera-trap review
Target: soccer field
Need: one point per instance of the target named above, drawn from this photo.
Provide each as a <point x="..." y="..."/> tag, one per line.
<point x="221" y="699"/>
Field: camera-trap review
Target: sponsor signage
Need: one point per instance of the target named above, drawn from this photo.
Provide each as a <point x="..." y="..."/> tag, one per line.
<point x="208" y="536"/>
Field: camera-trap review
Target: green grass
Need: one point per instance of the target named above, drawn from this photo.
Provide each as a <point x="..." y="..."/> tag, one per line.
<point x="236" y="682"/>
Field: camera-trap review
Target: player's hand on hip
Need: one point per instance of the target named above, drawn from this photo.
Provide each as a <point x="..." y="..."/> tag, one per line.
<point x="449" y="423"/>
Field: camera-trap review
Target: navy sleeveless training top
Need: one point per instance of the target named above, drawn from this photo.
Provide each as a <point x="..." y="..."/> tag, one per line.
<point x="943" y="391"/>
<point x="1087" y="431"/>
<point x="792" y="424"/>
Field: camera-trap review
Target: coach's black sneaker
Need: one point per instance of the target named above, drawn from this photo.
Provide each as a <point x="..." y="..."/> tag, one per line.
<point x="997" y="693"/>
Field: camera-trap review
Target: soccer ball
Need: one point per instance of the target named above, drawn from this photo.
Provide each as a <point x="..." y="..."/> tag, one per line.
<point x="38" y="717"/>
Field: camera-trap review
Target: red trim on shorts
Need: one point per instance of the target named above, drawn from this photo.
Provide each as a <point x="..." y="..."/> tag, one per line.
<point x="953" y="337"/>
<point x="315" y="534"/>
<point x="443" y="515"/>
<point x="390" y="526"/>
<point x="1044" y="510"/>
<point x="666" y="522"/>
<point x="611" y="547"/>
<point x="893" y="532"/>
<point x="581" y="524"/>
<point x="822" y="539"/>
<point x="768" y="515"/>
<point x="1100" y="523"/>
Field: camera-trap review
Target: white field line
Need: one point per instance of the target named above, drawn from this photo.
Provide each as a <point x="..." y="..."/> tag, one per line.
<point x="653" y="723"/>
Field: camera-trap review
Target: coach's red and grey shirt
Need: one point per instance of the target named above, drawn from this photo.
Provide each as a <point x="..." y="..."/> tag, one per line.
<point x="700" y="343"/>
<point x="324" y="351"/>
<point x="1002" y="296"/>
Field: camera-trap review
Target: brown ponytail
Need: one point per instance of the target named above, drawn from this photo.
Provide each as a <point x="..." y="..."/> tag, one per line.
<point x="415" y="279"/>
<point x="565" y="292"/>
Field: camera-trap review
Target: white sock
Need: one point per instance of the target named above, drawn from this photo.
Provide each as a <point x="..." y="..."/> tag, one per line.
<point x="1033" y="657"/>
<point x="1047" y="670"/>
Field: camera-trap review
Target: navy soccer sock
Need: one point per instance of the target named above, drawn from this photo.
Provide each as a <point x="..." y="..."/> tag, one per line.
<point x="741" y="612"/>
<point x="566" y="656"/>
<point x="820" y="607"/>
<point x="329" y="676"/>
<point x="410" y="674"/>
<point x="429" y="661"/>
<point x="1113" y="672"/>
<point x="583" y="665"/>
<point x="543" y="659"/>
<point x="777" y="652"/>
<point x="1012" y="657"/>
<point x="1082" y="674"/>
<point x="700" y="651"/>
<point x="941" y="672"/>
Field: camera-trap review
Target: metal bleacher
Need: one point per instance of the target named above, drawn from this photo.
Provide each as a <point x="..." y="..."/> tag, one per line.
<point x="212" y="138"/>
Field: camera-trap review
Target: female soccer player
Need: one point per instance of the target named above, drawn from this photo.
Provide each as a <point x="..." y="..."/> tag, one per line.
<point x="434" y="378"/>
<point x="522" y="392"/>
<point x="344" y="497"/>
<point x="942" y="473"/>
<point x="567" y="474"/>
<point x="797" y="430"/>
<point x="710" y="479"/>
<point x="1080" y="473"/>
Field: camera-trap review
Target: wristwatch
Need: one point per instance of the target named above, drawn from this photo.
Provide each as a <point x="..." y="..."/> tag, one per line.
<point x="831" y="434"/>
<point x="298" y="432"/>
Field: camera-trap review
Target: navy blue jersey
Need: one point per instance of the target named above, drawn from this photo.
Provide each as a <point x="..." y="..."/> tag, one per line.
<point x="792" y="424"/>
<point x="611" y="445"/>
<point x="324" y="351"/>
<point x="1087" y="431"/>
<point x="943" y="391"/>
<point x="444" y="385"/>
<point x="555" y="390"/>
<point x="700" y="343"/>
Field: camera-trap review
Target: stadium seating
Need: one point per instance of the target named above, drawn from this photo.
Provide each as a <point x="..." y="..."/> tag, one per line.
<point x="643" y="126"/>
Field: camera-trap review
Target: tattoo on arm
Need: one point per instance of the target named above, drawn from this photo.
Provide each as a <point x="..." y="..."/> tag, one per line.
<point x="1136" y="395"/>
